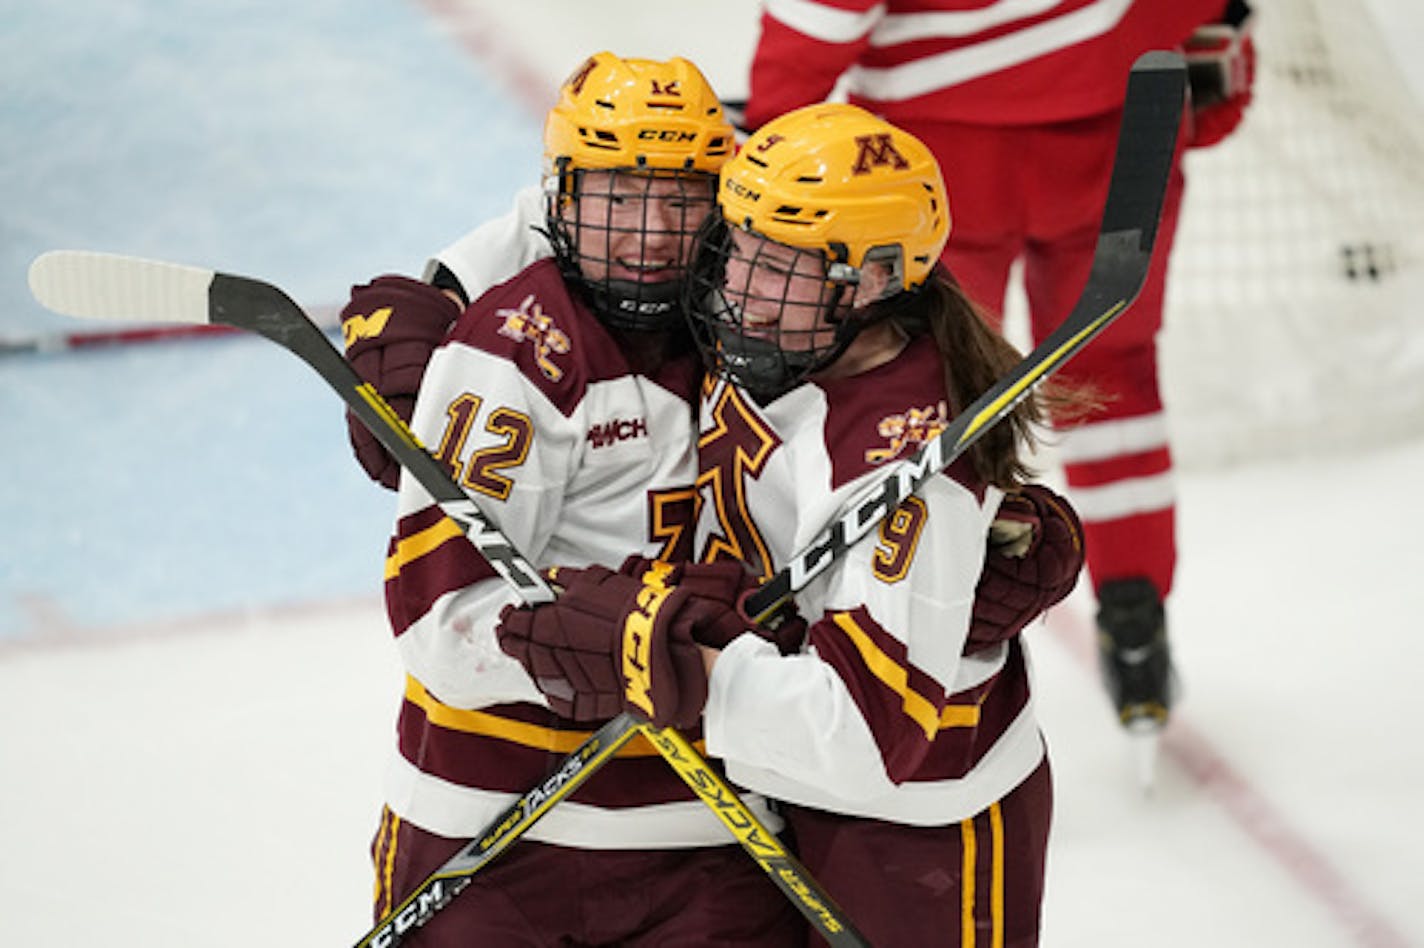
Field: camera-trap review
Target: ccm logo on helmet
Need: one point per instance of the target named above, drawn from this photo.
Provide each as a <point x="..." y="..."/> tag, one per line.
<point x="666" y="135"/>
<point x="741" y="190"/>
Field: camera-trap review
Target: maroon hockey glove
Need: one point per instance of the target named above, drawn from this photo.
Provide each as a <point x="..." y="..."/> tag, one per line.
<point x="613" y="643"/>
<point x="1221" y="66"/>
<point x="1034" y="557"/>
<point x="391" y="326"/>
<point x="727" y="582"/>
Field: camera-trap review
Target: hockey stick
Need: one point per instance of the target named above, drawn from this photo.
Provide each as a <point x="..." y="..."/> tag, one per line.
<point x="1151" y="114"/>
<point x="107" y="286"/>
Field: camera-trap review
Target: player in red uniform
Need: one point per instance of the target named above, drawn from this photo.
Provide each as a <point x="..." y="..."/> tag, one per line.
<point x="1021" y="104"/>
<point x="900" y="733"/>
<point x="561" y="399"/>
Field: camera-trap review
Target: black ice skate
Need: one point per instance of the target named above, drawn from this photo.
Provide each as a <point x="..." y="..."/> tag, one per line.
<point x="1136" y="663"/>
<point x="1133" y="653"/>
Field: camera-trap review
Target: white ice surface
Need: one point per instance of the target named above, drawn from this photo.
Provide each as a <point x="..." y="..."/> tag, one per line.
<point x="190" y="772"/>
<point x="217" y="785"/>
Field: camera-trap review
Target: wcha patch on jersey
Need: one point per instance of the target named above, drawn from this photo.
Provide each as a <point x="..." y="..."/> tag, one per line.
<point x="908" y="431"/>
<point x="529" y="323"/>
<point x="604" y="433"/>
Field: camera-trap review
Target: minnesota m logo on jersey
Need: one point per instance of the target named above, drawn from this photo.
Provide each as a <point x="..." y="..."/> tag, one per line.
<point x="909" y="430"/>
<point x="528" y="323"/>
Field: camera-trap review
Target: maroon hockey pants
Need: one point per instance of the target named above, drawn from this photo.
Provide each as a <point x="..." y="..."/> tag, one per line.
<point x="537" y="895"/>
<point x="974" y="884"/>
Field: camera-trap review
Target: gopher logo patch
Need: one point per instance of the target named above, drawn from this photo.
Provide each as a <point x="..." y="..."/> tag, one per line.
<point x="908" y="431"/>
<point x="529" y="323"/>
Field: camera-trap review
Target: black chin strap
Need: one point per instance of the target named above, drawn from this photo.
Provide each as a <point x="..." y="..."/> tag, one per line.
<point x="628" y="304"/>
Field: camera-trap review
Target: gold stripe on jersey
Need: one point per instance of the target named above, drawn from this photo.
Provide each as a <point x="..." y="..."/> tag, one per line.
<point x="484" y="724"/>
<point x="417" y="545"/>
<point x="895" y="677"/>
<point x="959" y="715"/>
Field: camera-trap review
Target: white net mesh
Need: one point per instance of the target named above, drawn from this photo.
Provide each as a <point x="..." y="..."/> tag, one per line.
<point x="1294" y="319"/>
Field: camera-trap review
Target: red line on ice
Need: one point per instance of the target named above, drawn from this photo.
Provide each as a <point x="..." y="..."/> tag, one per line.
<point x="1248" y="808"/>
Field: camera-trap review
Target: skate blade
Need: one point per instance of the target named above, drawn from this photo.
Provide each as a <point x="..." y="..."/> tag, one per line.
<point x="1144" y="736"/>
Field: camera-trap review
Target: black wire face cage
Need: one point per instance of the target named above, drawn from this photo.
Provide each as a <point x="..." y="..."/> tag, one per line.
<point x="766" y="315"/>
<point x="626" y="236"/>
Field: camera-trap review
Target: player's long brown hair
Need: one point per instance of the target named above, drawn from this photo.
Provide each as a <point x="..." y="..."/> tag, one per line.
<point x="975" y="356"/>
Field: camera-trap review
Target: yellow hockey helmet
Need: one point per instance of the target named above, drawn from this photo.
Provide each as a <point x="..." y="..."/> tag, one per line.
<point x="637" y="113"/>
<point x="836" y="178"/>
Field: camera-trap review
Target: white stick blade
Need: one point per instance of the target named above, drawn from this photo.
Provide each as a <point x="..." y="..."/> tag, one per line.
<point x="112" y="286"/>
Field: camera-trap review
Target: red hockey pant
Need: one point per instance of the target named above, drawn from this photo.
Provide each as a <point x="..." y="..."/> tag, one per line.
<point x="1036" y="193"/>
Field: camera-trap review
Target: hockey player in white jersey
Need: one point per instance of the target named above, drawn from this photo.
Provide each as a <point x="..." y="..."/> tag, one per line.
<point x="563" y="399"/>
<point x="901" y="736"/>
<point x="900" y="742"/>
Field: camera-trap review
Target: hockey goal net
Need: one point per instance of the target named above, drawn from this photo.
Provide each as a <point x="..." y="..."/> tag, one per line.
<point x="1295" y="318"/>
